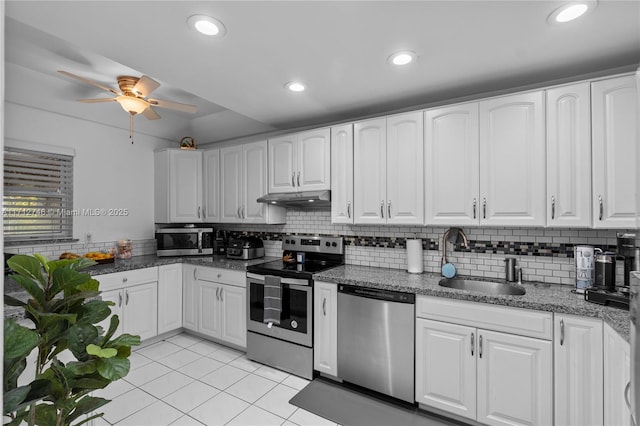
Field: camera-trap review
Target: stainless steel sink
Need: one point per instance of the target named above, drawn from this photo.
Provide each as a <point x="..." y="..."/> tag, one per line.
<point x="488" y="287"/>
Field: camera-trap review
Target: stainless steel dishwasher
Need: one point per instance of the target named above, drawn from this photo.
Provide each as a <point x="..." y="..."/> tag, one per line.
<point x="376" y="340"/>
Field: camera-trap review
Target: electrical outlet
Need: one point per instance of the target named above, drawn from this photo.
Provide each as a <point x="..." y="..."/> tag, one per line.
<point x="87" y="238"/>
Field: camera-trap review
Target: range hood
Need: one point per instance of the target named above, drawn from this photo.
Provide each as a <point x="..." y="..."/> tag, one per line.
<point x="306" y="199"/>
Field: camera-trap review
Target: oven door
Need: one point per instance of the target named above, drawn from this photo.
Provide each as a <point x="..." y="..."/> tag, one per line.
<point x="296" y="318"/>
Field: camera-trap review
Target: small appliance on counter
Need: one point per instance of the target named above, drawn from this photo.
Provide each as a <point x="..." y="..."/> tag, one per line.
<point x="220" y="242"/>
<point x="629" y="254"/>
<point x="245" y="248"/>
<point x="186" y="240"/>
<point x="604" y="291"/>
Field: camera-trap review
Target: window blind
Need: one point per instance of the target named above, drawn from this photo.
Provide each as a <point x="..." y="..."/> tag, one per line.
<point x="38" y="195"/>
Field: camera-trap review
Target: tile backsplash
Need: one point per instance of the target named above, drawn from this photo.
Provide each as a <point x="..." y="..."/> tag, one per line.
<point x="545" y="255"/>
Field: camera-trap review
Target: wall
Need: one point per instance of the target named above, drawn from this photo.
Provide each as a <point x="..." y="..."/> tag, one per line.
<point x="109" y="172"/>
<point x="545" y="255"/>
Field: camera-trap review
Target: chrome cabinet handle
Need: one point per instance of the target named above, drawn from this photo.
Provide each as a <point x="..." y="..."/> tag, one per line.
<point x="627" y="390"/>
<point x="221" y="294"/>
<point x="484" y="208"/>
<point x="242" y="210"/>
<point x="238" y="213"/>
<point x="553" y="207"/>
<point x="218" y="293"/>
<point x="382" y="209"/>
<point x="349" y="209"/>
<point x="298" y="178"/>
<point x="293" y="179"/>
<point x="561" y="331"/>
<point x="473" y="342"/>
<point x="389" y="209"/>
<point x="195" y="274"/>
<point x="474" y="207"/>
<point x="324" y="306"/>
<point x="120" y="300"/>
<point x="601" y="207"/>
<point x="199" y="212"/>
<point x="203" y="212"/>
<point x="126" y="301"/>
<point x="480" y="347"/>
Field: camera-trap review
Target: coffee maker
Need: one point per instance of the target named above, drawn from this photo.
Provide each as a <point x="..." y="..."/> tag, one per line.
<point x="629" y="254"/>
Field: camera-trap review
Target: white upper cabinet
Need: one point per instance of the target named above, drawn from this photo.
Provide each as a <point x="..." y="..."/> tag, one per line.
<point x="388" y="170"/>
<point x="342" y="174"/>
<point x="211" y="174"/>
<point x="614" y="104"/>
<point x="178" y="186"/>
<point x="243" y="179"/>
<point x="452" y="165"/>
<point x="512" y="160"/>
<point x="569" y="156"/>
<point x="300" y="162"/>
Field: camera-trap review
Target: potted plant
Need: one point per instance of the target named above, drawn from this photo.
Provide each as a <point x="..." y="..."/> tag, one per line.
<point x="65" y="310"/>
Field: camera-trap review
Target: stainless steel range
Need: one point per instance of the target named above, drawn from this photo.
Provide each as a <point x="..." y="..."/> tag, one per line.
<point x="287" y="342"/>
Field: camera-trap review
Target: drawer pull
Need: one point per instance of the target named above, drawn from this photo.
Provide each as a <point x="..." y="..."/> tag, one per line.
<point x="473" y="342"/>
<point x="126" y="302"/>
<point x="627" y="389"/>
<point x="120" y="300"/>
<point x="221" y="294"/>
<point x="474" y="207"/>
<point x="124" y="280"/>
<point x="561" y="332"/>
<point x="601" y="207"/>
<point x="480" y="347"/>
<point x="324" y="306"/>
<point x="553" y="207"/>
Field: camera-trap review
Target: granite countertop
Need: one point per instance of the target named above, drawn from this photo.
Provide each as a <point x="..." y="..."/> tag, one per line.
<point x="539" y="296"/>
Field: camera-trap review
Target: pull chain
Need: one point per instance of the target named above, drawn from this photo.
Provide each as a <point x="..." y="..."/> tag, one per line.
<point x="131" y="127"/>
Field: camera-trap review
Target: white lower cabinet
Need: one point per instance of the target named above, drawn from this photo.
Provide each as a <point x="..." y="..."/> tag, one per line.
<point x="135" y="295"/>
<point x="215" y="303"/>
<point x="578" y="379"/>
<point x="169" y="297"/>
<point x="325" y="328"/>
<point x="617" y="375"/>
<point x="489" y="376"/>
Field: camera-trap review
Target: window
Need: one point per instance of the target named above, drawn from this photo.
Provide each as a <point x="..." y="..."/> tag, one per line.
<point x="38" y="195"/>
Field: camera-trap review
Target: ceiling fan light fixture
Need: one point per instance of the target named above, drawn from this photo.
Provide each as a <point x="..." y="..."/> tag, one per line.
<point x="404" y="57"/>
<point x="207" y="25"/>
<point x="571" y="11"/>
<point x="295" y="86"/>
<point x="131" y="104"/>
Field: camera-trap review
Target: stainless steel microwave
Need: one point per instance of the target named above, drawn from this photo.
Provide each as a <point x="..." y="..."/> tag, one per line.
<point x="186" y="241"/>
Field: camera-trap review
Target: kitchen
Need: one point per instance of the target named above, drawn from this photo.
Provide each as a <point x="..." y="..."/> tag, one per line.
<point x="112" y="173"/>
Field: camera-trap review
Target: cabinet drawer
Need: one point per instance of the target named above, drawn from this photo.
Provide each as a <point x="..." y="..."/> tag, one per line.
<point x="523" y="322"/>
<point x="219" y="275"/>
<point x="127" y="278"/>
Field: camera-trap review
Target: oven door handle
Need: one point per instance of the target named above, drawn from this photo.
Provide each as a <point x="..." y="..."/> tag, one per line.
<point x="259" y="279"/>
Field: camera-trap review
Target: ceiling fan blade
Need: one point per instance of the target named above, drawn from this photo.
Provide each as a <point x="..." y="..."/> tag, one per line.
<point x="91" y="82"/>
<point x="173" y="105"/>
<point x="150" y="114"/>
<point x="145" y="86"/>
<point x="97" y="100"/>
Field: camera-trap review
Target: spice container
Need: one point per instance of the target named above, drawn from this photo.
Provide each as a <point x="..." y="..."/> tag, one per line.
<point x="124" y="249"/>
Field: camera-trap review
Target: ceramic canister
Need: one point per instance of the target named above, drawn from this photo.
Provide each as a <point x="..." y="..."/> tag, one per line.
<point x="584" y="261"/>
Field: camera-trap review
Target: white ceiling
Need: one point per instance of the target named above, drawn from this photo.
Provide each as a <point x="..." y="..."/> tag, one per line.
<point x="338" y="48"/>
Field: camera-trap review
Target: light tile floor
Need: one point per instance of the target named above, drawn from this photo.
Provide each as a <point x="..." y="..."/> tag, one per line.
<point x="185" y="380"/>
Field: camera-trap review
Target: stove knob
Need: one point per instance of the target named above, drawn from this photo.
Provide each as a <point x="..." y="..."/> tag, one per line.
<point x="286" y="241"/>
<point x="294" y="324"/>
<point x="327" y="244"/>
<point x="293" y="242"/>
<point x="334" y="244"/>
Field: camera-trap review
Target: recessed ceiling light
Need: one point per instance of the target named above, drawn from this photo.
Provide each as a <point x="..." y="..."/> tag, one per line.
<point x="207" y="25"/>
<point x="402" y="58"/>
<point x="571" y="11"/>
<point x="295" y="86"/>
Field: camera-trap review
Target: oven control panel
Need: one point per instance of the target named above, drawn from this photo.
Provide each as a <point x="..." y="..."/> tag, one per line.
<point x="332" y="245"/>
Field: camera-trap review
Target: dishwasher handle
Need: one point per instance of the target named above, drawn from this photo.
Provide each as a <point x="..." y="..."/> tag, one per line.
<point x="378" y="294"/>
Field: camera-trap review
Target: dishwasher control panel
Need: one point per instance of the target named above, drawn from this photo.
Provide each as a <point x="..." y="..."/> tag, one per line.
<point x="380" y="294"/>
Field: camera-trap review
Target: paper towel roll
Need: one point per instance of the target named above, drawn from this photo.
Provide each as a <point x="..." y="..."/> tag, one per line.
<point x="414" y="256"/>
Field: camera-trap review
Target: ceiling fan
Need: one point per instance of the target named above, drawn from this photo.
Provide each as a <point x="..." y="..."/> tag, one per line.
<point x="132" y="97"/>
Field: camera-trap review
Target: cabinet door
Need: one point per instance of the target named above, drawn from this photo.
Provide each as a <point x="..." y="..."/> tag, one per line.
<point x="190" y="303"/>
<point x="614" y="121"/>
<point x="282" y="164"/>
<point x="569" y="156"/>
<point x="514" y="380"/>
<point x="617" y="374"/>
<point x="141" y="310"/>
<point x="342" y="174"/>
<point x="577" y="349"/>
<point x="185" y="186"/>
<point x="325" y="328"/>
<point x="512" y="160"/>
<point x="452" y="165"/>
<point x="117" y="297"/>
<point x="370" y="171"/>
<point x="233" y="316"/>
<point x="211" y="174"/>
<point x="255" y="181"/>
<point x="208" y="308"/>
<point x="231" y="183"/>
<point x="446" y="367"/>
<point x="169" y="297"/>
<point x="314" y="160"/>
<point x="405" y="165"/>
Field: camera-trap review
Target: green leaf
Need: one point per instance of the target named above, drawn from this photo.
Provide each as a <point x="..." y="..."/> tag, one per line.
<point x="91" y="383"/>
<point x="85" y="406"/>
<point x="83" y="262"/>
<point x="68" y="280"/>
<point x="95" y="311"/>
<point x="31" y="286"/>
<point x="96" y="350"/>
<point x="38" y="389"/>
<point x="113" y="326"/>
<point x="44" y="261"/>
<point x="113" y="368"/>
<point x="79" y="336"/>
<point x="12" y="301"/>
<point x="26" y="266"/>
<point x="67" y="301"/>
<point x="123" y="340"/>
<point x="14" y="397"/>
<point x="86" y="420"/>
<point x="13" y="369"/>
<point x="19" y="341"/>
<point x="49" y="320"/>
<point x="91" y="285"/>
<point x="82" y="368"/>
<point x="46" y="415"/>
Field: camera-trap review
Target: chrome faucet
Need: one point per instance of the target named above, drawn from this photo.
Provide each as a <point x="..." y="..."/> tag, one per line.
<point x="452" y="235"/>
